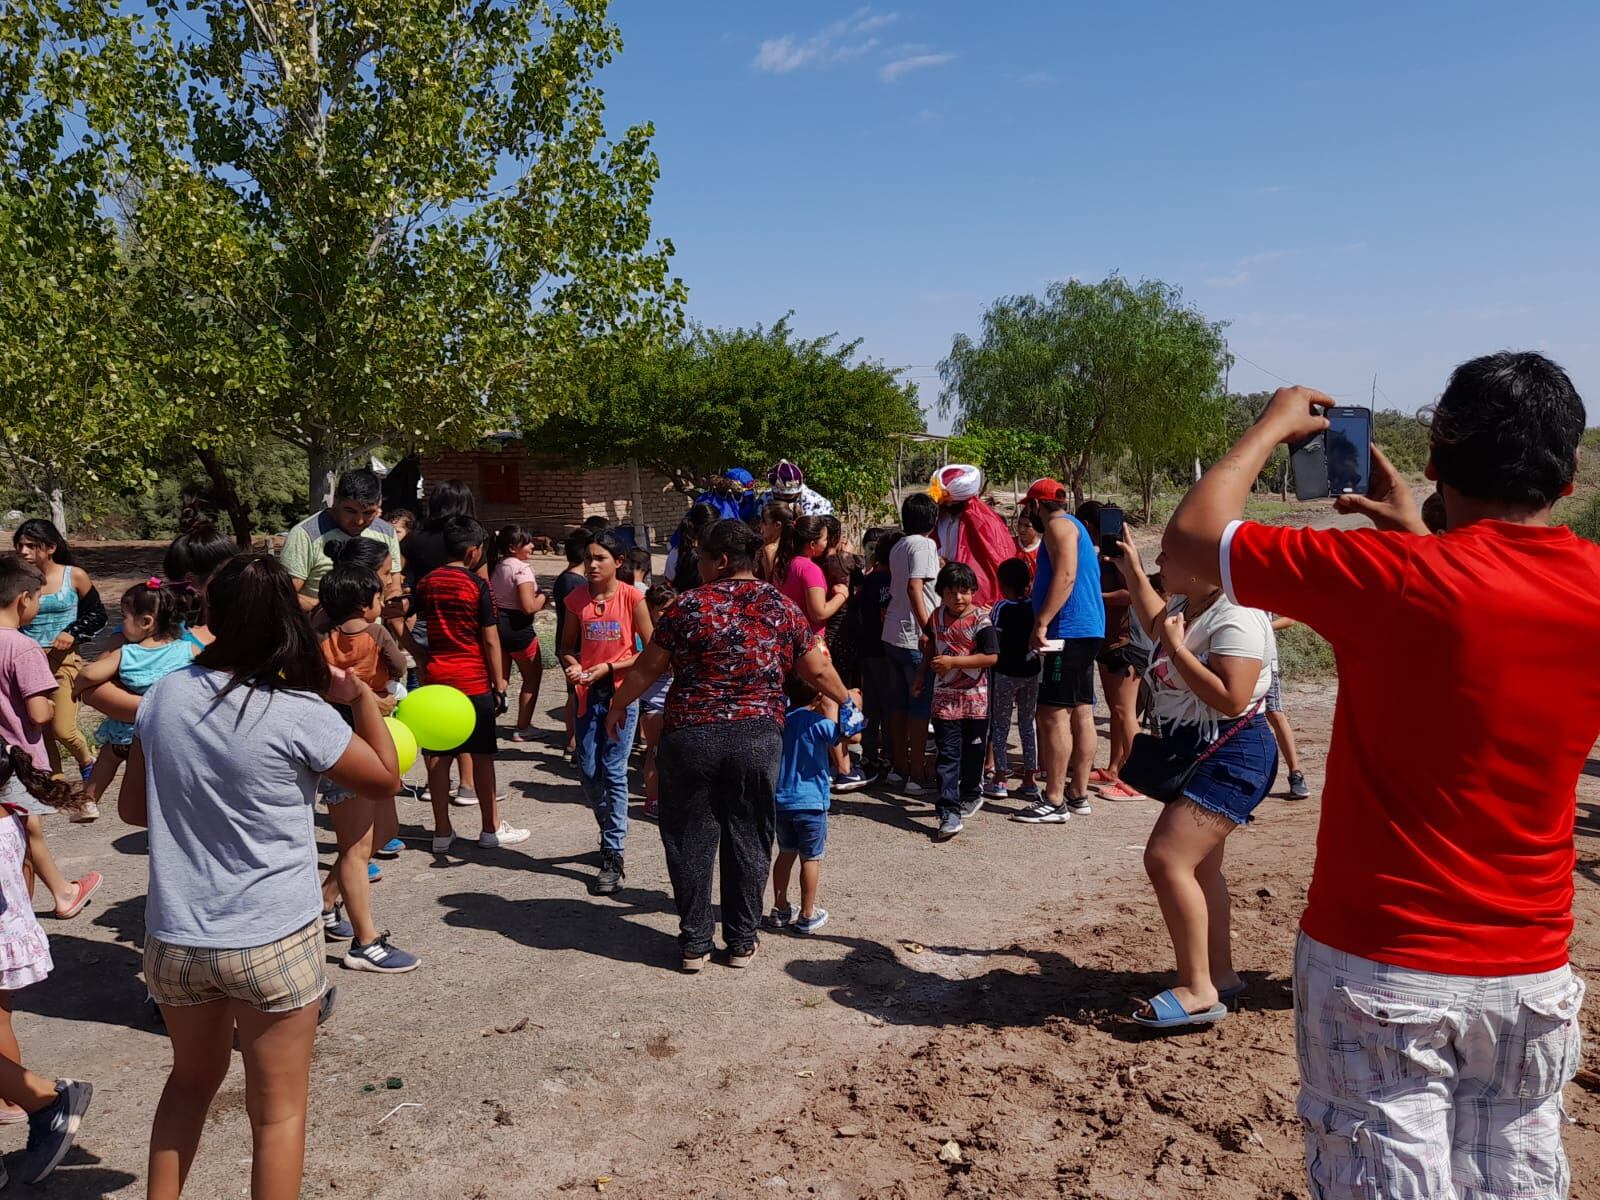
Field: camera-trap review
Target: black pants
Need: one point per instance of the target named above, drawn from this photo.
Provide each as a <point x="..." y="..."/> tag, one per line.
<point x="962" y="745"/>
<point x="717" y="785"/>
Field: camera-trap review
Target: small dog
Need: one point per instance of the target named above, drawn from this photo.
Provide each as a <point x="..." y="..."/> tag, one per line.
<point x="543" y="545"/>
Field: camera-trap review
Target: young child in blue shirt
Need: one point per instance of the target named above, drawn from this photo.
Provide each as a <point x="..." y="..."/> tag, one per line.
<point x="805" y="781"/>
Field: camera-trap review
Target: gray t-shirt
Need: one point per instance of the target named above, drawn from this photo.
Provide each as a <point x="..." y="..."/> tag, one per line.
<point x="231" y="781"/>
<point x="913" y="557"/>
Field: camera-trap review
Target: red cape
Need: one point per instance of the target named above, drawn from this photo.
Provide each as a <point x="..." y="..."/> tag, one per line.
<point x="984" y="543"/>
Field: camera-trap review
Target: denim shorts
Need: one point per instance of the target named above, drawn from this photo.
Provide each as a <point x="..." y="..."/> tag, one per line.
<point x="905" y="664"/>
<point x="803" y="832"/>
<point x="1238" y="774"/>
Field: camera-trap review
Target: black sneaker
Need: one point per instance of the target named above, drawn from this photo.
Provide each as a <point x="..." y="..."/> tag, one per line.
<point x="1078" y="806"/>
<point x="1298" y="788"/>
<point x="51" y="1130"/>
<point x="1043" y="813"/>
<point x="336" y="926"/>
<point x="949" y="826"/>
<point x="970" y="806"/>
<point x="611" y="878"/>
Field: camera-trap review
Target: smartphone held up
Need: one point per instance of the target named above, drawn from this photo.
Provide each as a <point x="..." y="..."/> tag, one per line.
<point x="1337" y="461"/>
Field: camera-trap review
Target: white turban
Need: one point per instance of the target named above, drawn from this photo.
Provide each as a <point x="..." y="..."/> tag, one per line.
<point x="960" y="481"/>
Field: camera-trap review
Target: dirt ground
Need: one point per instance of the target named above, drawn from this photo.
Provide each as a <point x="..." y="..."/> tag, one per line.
<point x="972" y="992"/>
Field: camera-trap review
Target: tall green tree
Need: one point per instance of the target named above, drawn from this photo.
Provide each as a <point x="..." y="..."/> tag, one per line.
<point x="716" y="398"/>
<point x="1086" y="364"/>
<point x="347" y="223"/>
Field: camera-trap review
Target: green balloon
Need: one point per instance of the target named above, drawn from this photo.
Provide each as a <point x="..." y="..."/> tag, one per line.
<point x="440" y="717"/>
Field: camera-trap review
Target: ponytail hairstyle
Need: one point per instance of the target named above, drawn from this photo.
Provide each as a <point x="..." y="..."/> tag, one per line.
<point x="191" y="559"/>
<point x="506" y="539"/>
<point x="796" y="537"/>
<point x="783" y="516"/>
<point x="57" y="793"/>
<point x="734" y="540"/>
<point x="263" y="636"/>
<point x="359" y="552"/>
<point x="37" y="529"/>
<point x="835" y="565"/>
<point x="167" y="602"/>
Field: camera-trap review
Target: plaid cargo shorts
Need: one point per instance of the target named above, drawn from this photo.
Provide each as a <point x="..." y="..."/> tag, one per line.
<point x="281" y="976"/>
<point x="1433" y="1087"/>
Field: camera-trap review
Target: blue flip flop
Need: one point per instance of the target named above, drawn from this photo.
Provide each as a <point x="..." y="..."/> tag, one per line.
<point x="1171" y="1014"/>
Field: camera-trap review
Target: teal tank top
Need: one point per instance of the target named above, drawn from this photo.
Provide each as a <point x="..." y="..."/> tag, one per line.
<point x="57" y="610"/>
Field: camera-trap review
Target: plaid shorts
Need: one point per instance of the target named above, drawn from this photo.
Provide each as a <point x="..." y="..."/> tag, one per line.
<point x="281" y="976"/>
<point x="1414" y="1084"/>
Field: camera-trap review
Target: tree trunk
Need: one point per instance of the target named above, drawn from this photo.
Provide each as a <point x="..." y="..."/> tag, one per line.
<point x="322" y="472"/>
<point x="58" y="507"/>
<point x="226" y="496"/>
<point x="641" y="537"/>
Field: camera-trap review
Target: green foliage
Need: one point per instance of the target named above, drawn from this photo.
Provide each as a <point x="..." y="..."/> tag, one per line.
<point x="714" y="399"/>
<point x="1584" y="517"/>
<point x="1303" y="654"/>
<point x="1005" y="454"/>
<point x="1403" y="437"/>
<point x="1098" y="369"/>
<point x="341" y="224"/>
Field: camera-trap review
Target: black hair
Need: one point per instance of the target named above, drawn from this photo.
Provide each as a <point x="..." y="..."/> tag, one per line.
<point x="263" y="637"/>
<point x="461" y="534"/>
<point x="798" y="691"/>
<point x="15" y="763"/>
<point x="882" y="548"/>
<point x="347" y="590"/>
<point x="401" y="513"/>
<point x="37" y="529"/>
<point x="166" y="602"/>
<point x="360" y="552"/>
<point x="450" y="498"/>
<point x="1014" y="577"/>
<point x="361" y="485"/>
<point x="956" y="575"/>
<point x="639" y="559"/>
<point x="597" y="524"/>
<point x="1088" y="515"/>
<point x="196" y="554"/>
<point x="625" y="570"/>
<point x="734" y="540"/>
<point x="1433" y="514"/>
<point x="18" y="577"/>
<point x="577" y="546"/>
<point x="796" y="537"/>
<point x="870" y="539"/>
<point x="660" y="595"/>
<point x="779" y="512"/>
<point x="509" y="538"/>
<point x="919" y="513"/>
<point x="611" y="544"/>
<point x="1507" y="429"/>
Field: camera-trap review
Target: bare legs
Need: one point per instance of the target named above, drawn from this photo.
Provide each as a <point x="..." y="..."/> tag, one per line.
<point x="65" y="891"/>
<point x="1081" y="758"/>
<point x="352" y="829"/>
<point x="1121" y="691"/>
<point x="1284" y="732"/>
<point x="810" y="878"/>
<point x="1184" y="861"/>
<point x="439" y="791"/>
<point x="530" y="674"/>
<point x="19" y="1087"/>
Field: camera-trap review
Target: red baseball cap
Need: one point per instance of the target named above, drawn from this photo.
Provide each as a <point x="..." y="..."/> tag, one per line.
<point x="1046" y="489"/>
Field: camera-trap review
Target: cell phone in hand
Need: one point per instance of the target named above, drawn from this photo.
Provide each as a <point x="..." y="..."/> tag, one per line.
<point x="1111" y="525"/>
<point x="1337" y="461"/>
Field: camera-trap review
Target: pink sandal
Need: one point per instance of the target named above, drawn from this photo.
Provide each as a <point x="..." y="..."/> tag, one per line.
<point x="87" y="886"/>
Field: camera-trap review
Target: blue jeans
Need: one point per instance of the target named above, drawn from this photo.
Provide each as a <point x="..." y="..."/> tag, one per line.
<point x="603" y="763"/>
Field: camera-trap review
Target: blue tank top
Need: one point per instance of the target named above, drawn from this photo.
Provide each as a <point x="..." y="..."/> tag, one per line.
<point x="141" y="666"/>
<point x="57" y="610"/>
<point x="1084" y="613"/>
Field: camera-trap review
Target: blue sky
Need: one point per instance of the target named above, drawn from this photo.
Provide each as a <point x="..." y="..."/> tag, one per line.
<point x="1355" y="188"/>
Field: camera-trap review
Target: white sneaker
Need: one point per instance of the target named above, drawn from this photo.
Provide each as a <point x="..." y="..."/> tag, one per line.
<point x="912" y="788"/>
<point x="504" y="836"/>
<point x="89" y="812"/>
<point x="441" y="845"/>
<point x="464" y="798"/>
<point x="522" y="735"/>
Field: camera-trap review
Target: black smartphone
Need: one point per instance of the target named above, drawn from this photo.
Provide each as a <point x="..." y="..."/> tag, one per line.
<point x="1338" y="461"/>
<point x="1111" y="522"/>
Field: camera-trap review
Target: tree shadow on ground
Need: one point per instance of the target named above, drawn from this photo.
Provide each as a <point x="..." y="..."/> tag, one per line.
<point x="937" y="987"/>
<point x="79" y="1177"/>
<point x="603" y="926"/>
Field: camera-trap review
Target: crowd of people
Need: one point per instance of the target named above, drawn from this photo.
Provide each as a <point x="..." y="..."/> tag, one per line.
<point x="771" y="667"/>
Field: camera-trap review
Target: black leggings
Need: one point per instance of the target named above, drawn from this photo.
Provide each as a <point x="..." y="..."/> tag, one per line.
<point x="717" y="784"/>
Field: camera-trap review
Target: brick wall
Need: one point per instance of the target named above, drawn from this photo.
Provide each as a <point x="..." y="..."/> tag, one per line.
<point x="553" y="496"/>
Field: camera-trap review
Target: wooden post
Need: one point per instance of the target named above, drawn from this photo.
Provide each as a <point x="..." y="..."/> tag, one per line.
<point x="641" y="535"/>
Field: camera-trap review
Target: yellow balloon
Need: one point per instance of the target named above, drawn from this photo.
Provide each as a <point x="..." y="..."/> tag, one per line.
<point x="441" y="717"/>
<point x="405" y="743"/>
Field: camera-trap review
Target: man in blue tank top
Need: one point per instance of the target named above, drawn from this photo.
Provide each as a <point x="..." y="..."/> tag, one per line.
<point x="1069" y="628"/>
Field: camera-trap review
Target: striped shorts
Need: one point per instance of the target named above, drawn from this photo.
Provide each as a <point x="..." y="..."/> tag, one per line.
<point x="1418" y="1086"/>
<point x="281" y="976"/>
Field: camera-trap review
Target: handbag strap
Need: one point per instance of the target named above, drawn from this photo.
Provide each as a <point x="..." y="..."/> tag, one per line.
<point x="1232" y="729"/>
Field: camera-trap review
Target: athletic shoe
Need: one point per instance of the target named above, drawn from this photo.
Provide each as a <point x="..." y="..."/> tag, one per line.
<point x="51" y="1130"/>
<point x="912" y="788"/>
<point x="1298" y="788"/>
<point x="612" y="875"/>
<point x="1078" y="806"/>
<point x="693" y="963"/>
<point x="970" y="807"/>
<point x="441" y="845"/>
<point x="1043" y="813"/>
<point x="741" y="959"/>
<point x="812" y="923"/>
<point x="1121" y="791"/>
<point x="1029" y="789"/>
<point x="88" y="813"/>
<point x="390" y="849"/>
<point x="504" y="836"/>
<point x="463" y="797"/>
<point x="373" y="872"/>
<point x="949" y="826"/>
<point x="335" y="928"/>
<point x="893" y="780"/>
<point x="779" y="918"/>
<point x="380" y="957"/>
<point x="849" y="781"/>
<point x="995" y="788"/>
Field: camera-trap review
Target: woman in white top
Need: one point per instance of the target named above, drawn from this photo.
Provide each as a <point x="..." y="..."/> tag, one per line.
<point x="1208" y="678"/>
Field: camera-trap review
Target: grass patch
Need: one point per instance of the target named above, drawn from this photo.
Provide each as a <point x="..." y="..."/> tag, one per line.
<point x="1303" y="654"/>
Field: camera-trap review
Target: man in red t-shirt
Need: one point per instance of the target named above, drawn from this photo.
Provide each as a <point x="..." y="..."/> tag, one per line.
<point x="1436" y="1013"/>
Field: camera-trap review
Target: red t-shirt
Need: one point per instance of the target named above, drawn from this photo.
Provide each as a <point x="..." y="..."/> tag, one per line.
<point x="458" y="607"/>
<point x="1469" y="699"/>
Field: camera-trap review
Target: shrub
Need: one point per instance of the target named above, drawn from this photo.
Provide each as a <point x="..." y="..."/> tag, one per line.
<point x="1303" y="654"/>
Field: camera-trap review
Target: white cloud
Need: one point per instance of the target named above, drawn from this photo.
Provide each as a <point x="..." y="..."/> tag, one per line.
<point x="1237" y="279"/>
<point x="1038" y="79"/>
<point x="841" y="41"/>
<point x="893" y="71"/>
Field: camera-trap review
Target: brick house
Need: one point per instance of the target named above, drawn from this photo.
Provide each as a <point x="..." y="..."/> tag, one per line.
<point x="547" y="495"/>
